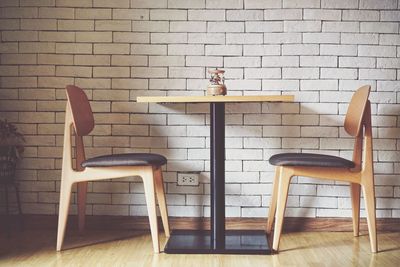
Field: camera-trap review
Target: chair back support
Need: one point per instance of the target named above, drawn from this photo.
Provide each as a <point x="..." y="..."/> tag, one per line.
<point x="81" y="111"/>
<point x="355" y="112"/>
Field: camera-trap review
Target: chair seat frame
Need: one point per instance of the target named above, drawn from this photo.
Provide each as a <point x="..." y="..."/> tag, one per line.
<point x="151" y="176"/>
<point x="361" y="176"/>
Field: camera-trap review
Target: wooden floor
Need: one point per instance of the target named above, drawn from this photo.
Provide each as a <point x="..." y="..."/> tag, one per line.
<point x="125" y="248"/>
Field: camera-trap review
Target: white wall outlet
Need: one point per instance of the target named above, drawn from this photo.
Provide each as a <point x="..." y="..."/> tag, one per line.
<point x="191" y="179"/>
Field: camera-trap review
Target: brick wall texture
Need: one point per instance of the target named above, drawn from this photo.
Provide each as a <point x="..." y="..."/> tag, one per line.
<point x="319" y="50"/>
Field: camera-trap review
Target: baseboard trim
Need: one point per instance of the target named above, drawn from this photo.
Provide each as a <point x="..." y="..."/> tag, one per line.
<point x="291" y="224"/>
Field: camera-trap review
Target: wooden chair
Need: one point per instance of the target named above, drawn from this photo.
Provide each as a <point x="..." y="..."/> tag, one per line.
<point x="358" y="172"/>
<point x="146" y="165"/>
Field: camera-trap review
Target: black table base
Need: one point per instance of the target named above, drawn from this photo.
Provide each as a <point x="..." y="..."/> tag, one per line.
<point x="217" y="240"/>
<point x="236" y="242"/>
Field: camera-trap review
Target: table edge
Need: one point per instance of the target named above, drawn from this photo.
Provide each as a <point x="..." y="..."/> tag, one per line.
<point x="214" y="99"/>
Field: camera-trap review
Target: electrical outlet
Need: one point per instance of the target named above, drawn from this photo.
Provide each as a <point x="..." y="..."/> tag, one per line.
<point x="191" y="179"/>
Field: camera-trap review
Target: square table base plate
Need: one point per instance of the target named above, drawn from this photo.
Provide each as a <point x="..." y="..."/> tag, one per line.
<point x="236" y="242"/>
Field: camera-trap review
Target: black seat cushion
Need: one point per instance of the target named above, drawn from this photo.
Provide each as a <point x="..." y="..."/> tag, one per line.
<point x="310" y="160"/>
<point x="127" y="159"/>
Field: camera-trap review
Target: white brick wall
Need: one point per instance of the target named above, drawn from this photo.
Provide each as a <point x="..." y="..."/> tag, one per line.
<point x="319" y="50"/>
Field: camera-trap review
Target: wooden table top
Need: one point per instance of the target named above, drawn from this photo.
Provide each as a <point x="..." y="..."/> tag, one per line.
<point x="213" y="99"/>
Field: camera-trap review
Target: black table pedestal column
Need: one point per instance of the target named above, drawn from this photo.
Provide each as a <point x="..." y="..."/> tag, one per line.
<point x="217" y="182"/>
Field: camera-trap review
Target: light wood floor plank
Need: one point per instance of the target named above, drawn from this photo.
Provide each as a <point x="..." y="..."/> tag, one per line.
<point x="127" y="248"/>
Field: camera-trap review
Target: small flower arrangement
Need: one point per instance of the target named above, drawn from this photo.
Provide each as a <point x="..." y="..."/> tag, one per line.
<point x="217" y="82"/>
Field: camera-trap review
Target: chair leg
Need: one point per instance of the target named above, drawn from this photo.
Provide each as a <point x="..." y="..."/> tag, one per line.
<point x="82" y="190"/>
<point x="283" y="189"/>
<point x="272" y="205"/>
<point x="148" y="181"/>
<point x="369" y="196"/>
<point x="355" y="190"/>
<point x="159" y="185"/>
<point x="65" y="197"/>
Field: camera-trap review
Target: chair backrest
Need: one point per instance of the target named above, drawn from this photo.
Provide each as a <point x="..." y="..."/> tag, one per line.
<point x="82" y="114"/>
<point x="355" y="112"/>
